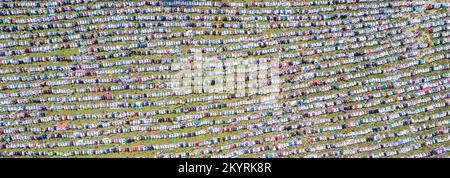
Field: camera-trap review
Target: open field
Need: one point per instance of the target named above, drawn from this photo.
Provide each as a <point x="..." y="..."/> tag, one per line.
<point x="219" y="79"/>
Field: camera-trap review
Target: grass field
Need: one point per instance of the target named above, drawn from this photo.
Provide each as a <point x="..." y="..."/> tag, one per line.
<point x="289" y="79"/>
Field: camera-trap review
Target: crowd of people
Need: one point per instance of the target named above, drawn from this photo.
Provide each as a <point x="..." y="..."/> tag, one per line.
<point x="325" y="78"/>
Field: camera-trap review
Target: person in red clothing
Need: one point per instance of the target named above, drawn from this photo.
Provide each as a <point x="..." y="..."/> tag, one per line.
<point x="61" y="126"/>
